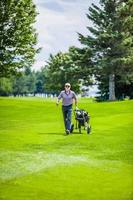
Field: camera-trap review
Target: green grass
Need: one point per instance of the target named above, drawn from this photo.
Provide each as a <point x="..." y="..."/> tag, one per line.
<point x="39" y="163"/>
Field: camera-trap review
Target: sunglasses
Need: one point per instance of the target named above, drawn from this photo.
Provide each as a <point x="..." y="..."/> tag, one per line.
<point x="67" y="86"/>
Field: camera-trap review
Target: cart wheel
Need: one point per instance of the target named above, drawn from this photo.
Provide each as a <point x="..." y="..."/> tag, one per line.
<point x="88" y="129"/>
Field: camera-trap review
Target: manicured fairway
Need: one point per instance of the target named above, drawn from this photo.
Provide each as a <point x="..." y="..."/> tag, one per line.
<point x="39" y="163"/>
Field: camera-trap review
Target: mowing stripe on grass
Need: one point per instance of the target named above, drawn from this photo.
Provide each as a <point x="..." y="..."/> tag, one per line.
<point x="18" y="164"/>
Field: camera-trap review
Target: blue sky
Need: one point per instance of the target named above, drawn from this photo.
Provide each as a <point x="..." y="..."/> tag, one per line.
<point x="57" y="25"/>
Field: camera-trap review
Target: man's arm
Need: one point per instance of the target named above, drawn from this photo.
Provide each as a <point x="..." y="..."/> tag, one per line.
<point x="76" y="102"/>
<point x="58" y="99"/>
<point x="75" y="98"/>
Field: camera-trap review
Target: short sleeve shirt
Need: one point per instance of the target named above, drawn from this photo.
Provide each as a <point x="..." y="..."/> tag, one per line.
<point x="67" y="98"/>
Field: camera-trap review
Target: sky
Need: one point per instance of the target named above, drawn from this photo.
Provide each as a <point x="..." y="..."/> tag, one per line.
<point x="57" y="25"/>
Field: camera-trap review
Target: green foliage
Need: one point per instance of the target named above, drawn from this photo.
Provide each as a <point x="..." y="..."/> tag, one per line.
<point x="126" y="21"/>
<point x="5" y="86"/>
<point x="40" y="81"/>
<point x="60" y="69"/>
<point x="19" y="85"/>
<point x="73" y="66"/>
<point x="111" y="40"/>
<point x="25" y="83"/>
<point x="17" y="35"/>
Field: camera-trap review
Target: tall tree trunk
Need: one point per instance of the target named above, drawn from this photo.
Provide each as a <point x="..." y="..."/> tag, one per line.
<point x="112" y="87"/>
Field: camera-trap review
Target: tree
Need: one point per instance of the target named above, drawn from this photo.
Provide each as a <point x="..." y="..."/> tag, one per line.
<point x="30" y="80"/>
<point x="25" y="83"/>
<point x="40" y="81"/>
<point x="71" y="66"/>
<point x="126" y="23"/>
<point x="59" y="70"/>
<point x="125" y="83"/>
<point x="81" y="59"/>
<point x="17" y="35"/>
<point x="5" y="87"/>
<point x="20" y="85"/>
<point x="106" y="41"/>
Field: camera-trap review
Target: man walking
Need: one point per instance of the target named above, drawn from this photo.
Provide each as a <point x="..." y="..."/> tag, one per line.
<point x="67" y="96"/>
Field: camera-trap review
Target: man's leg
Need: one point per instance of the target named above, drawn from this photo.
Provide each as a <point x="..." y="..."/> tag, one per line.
<point x="64" y="111"/>
<point x="69" y="117"/>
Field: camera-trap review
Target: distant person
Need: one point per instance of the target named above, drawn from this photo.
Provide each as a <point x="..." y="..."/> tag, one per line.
<point x="67" y="96"/>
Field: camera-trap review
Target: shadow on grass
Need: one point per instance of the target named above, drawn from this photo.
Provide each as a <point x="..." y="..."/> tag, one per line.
<point x="49" y="133"/>
<point x="61" y="133"/>
<point x="76" y="132"/>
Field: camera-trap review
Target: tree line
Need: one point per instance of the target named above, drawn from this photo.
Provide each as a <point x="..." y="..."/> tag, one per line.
<point x="105" y="58"/>
<point x="27" y="83"/>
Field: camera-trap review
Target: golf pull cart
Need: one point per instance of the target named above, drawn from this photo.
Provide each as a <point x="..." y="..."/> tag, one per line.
<point x="82" y="119"/>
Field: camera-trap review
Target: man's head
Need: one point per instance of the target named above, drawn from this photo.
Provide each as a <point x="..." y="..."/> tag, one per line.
<point x="67" y="86"/>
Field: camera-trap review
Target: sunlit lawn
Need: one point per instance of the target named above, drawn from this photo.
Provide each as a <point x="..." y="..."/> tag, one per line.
<point x="39" y="163"/>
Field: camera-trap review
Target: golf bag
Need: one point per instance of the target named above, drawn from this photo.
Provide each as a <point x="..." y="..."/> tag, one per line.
<point x="82" y="119"/>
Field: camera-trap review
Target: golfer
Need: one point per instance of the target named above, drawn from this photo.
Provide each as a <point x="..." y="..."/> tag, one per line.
<point x="67" y="97"/>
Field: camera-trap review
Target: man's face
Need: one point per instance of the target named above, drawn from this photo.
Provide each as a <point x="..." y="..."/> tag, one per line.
<point x="67" y="87"/>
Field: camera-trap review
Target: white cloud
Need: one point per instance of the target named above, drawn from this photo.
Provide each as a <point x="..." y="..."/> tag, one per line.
<point x="38" y="65"/>
<point x="58" y="23"/>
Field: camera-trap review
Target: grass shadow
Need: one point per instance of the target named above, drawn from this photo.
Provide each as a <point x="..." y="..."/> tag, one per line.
<point x="49" y="133"/>
<point x="76" y="132"/>
<point x="61" y="133"/>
